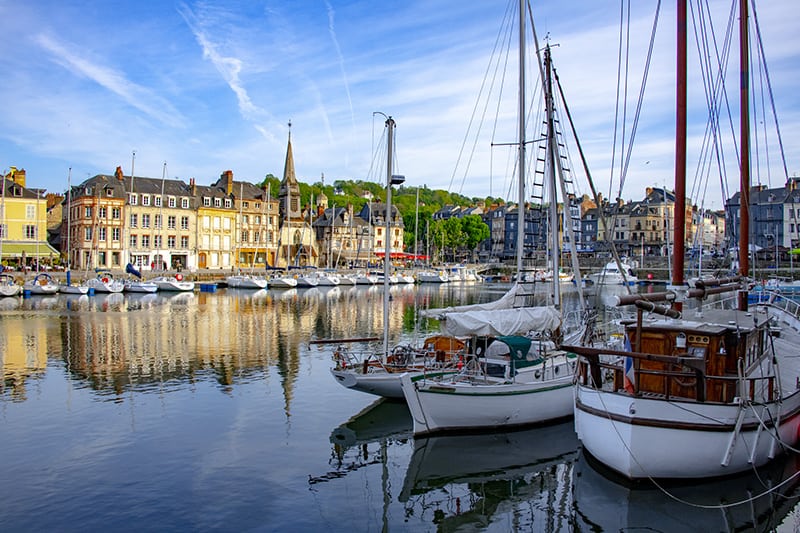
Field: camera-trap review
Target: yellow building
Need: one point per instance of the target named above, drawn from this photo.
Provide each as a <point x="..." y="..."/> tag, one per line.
<point x="257" y="222"/>
<point x="23" y="222"/>
<point x="216" y="226"/>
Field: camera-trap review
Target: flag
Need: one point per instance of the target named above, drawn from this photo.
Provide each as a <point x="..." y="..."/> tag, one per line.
<point x="629" y="377"/>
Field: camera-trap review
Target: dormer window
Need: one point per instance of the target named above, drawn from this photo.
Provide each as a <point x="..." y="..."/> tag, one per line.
<point x="145" y="200"/>
<point x="217" y="202"/>
<point x="185" y="203"/>
<point x="16" y="191"/>
<point x="228" y="202"/>
<point x="109" y="191"/>
<point x="132" y="199"/>
<point x="157" y="201"/>
<point x="206" y="201"/>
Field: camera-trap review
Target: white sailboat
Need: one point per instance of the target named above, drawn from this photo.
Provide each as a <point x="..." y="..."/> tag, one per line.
<point x="68" y="287"/>
<point x="698" y="395"/>
<point x="511" y="376"/>
<point x="380" y="371"/>
<point x="104" y="282"/>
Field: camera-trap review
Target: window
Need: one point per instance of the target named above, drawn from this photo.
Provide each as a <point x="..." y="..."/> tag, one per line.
<point x="184" y="242"/>
<point x="217" y="202"/>
<point x="184" y="222"/>
<point x="145" y="221"/>
<point x="185" y="203"/>
<point x="30" y="231"/>
<point x="101" y="234"/>
<point x="133" y="240"/>
<point x="171" y="241"/>
<point x="87" y="234"/>
<point x="3" y="231"/>
<point x="256" y="236"/>
<point x="102" y="212"/>
<point x="171" y="201"/>
<point x="245" y="219"/>
<point x="30" y="212"/>
<point x="157" y="222"/>
<point x="145" y="200"/>
<point x="228" y="203"/>
<point x="87" y="212"/>
<point x="132" y="199"/>
<point x="157" y="241"/>
<point x="109" y="193"/>
<point x="245" y="234"/>
<point x="115" y="234"/>
<point x="171" y="222"/>
<point x="134" y="220"/>
<point x="101" y="258"/>
<point x="145" y="241"/>
<point x="116" y="213"/>
<point x="246" y="205"/>
<point x="206" y="201"/>
<point x="216" y="223"/>
<point x="258" y="206"/>
<point x="157" y="201"/>
<point x="269" y="237"/>
<point x="258" y="220"/>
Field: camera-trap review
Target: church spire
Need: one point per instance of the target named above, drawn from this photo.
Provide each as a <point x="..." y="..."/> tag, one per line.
<point x="289" y="195"/>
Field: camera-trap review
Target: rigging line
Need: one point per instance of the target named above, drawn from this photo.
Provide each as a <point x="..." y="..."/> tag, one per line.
<point x="617" y="104"/>
<point x="499" y="41"/>
<point x="712" y="124"/>
<point x="769" y="85"/>
<point x="638" y="111"/>
<point x="764" y="123"/>
<point x="623" y="138"/>
<point x="756" y="144"/>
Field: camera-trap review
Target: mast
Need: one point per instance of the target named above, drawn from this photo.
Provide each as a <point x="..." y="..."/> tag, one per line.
<point x="680" y="153"/>
<point x="3" y="223"/>
<point x="521" y="141"/>
<point x="241" y="222"/>
<point x="744" y="125"/>
<point x="555" y="251"/>
<point x="388" y="248"/>
<point x="69" y="225"/>
<point x="130" y="207"/>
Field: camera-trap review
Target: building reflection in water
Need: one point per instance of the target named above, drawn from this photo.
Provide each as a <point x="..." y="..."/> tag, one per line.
<point x="148" y="342"/>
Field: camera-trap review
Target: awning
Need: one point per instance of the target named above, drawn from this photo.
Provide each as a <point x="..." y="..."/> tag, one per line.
<point x="403" y="255"/>
<point x="31" y="249"/>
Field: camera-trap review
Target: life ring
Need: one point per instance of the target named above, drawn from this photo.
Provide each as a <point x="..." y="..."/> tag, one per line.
<point x="179" y="277"/>
<point x="104" y="280"/>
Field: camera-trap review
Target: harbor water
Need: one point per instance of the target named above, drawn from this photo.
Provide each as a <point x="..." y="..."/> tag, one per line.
<point x="211" y="411"/>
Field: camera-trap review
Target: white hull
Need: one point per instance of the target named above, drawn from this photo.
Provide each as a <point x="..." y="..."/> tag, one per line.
<point x="246" y="282"/>
<point x="110" y="286"/>
<point x="378" y="382"/>
<point x="432" y="277"/>
<point x="307" y="281"/>
<point x="328" y="280"/>
<point x="364" y="279"/>
<point x="173" y="285"/>
<point x="282" y="283"/>
<point x="40" y="287"/>
<point x="452" y="405"/>
<point x="141" y="287"/>
<point x="9" y="289"/>
<point x="73" y="289"/>
<point x="640" y="437"/>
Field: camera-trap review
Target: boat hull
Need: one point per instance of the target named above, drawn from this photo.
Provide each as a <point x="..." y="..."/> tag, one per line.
<point x="246" y="282"/>
<point x="640" y="437"/>
<point x="73" y="289"/>
<point x="457" y="406"/>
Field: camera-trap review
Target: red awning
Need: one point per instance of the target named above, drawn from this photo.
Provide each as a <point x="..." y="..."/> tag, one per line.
<point x="402" y="255"/>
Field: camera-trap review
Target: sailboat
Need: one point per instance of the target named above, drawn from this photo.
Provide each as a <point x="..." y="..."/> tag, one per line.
<point x="380" y="371"/>
<point x="68" y="287"/>
<point x="703" y="394"/>
<point x="511" y="376"/>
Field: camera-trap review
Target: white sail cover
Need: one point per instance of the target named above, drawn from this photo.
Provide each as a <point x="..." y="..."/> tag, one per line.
<point x="501" y="321"/>
<point x="505" y="302"/>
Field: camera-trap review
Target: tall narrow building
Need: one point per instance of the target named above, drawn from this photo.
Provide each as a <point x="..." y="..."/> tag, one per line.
<point x="297" y="245"/>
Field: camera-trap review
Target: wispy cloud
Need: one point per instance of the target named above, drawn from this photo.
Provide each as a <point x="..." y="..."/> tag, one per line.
<point x="135" y="95"/>
<point x="229" y="68"/>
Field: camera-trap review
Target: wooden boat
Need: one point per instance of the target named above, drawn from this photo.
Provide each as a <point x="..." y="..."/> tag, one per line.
<point x="694" y="394"/>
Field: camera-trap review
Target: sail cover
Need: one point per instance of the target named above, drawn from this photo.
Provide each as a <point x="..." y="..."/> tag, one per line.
<point x="502" y="321"/>
<point x="505" y="302"/>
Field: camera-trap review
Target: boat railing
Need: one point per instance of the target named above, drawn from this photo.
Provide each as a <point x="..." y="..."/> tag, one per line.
<point x="605" y="369"/>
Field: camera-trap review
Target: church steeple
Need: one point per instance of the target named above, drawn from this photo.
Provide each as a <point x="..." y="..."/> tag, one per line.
<point x="289" y="194"/>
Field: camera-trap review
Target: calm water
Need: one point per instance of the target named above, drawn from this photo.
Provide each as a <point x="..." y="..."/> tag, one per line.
<point x="211" y="411"/>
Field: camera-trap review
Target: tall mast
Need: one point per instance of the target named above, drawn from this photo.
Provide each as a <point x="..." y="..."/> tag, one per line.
<point x="680" y="153"/>
<point x="69" y="222"/>
<point x="555" y="251"/>
<point x="388" y="248"/>
<point x="744" y="125"/>
<point x="521" y="141"/>
<point x="130" y="207"/>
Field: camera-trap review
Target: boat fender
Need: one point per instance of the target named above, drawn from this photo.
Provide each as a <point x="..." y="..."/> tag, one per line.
<point x="104" y="280"/>
<point x="460" y="363"/>
<point x="179" y="277"/>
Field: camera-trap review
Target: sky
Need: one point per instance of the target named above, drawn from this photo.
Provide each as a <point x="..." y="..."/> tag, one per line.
<point x="207" y="86"/>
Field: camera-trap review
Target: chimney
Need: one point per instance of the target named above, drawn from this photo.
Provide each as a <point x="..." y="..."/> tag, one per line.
<point x="192" y="187"/>
<point x="228" y="177"/>
<point x="648" y="191"/>
<point x="118" y="173"/>
<point x="18" y="176"/>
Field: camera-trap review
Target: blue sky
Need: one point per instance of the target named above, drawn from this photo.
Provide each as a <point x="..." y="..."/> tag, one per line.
<point x="209" y="86"/>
